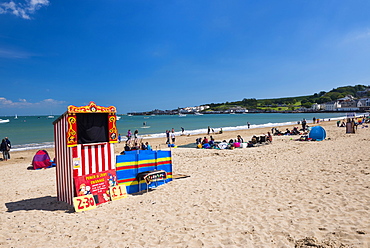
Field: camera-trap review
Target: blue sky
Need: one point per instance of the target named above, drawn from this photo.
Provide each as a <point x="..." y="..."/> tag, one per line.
<point x="141" y="55"/>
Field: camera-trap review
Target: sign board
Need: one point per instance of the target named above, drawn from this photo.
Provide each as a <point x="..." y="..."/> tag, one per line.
<point x="117" y="192"/>
<point x="96" y="184"/>
<point x="152" y="176"/>
<point x="83" y="203"/>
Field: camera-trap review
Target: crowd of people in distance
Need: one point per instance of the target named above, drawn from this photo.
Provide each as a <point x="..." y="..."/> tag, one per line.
<point x="136" y="146"/>
<point x="233" y="143"/>
<point x="134" y="143"/>
<point x="294" y="131"/>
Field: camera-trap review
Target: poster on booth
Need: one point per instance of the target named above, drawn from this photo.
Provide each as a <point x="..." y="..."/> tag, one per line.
<point x="96" y="184"/>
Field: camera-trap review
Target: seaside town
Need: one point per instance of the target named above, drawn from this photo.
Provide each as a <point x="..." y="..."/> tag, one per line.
<point x="334" y="101"/>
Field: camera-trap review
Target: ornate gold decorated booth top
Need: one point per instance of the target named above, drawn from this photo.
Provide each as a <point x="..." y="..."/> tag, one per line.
<point x="91" y="108"/>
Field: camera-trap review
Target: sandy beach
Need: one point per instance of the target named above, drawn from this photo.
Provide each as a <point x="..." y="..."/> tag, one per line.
<point x="285" y="194"/>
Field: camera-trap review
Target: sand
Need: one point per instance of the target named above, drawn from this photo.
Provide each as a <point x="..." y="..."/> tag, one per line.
<point x="286" y="194"/>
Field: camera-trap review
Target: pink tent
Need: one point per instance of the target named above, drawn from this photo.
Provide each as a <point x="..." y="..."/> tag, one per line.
<point x="41" y="160"/>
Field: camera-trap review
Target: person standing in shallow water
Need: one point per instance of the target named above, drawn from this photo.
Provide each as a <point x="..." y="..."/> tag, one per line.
<point x="248" y="124"/>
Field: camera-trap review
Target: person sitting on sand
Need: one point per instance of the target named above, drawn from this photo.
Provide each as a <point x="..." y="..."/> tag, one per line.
<point x="135" y="147"/>
<point x="127" y="147"/>
<point x="287" y="132"/>
<point x="295" y="131"/>
<point x="143" y="146"/>
<point x="254" y="139"/>
<point x="240" y="139"/>
<point x="205" y="140"/>
<point x="269" y="137"/>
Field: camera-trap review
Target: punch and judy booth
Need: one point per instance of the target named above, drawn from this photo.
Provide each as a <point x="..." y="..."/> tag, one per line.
<point x="84" y="152"/>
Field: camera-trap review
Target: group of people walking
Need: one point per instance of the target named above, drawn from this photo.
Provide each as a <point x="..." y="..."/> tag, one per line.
<point x="5" y="148"/>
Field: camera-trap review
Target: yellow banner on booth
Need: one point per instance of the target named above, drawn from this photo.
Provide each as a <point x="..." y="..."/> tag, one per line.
<point x="117" y="192"/>
<point x="83" y="203"/>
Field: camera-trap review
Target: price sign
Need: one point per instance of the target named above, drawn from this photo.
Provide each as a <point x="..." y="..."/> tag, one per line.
<point x="118" y="192"/>
<point x="83" y="203"/>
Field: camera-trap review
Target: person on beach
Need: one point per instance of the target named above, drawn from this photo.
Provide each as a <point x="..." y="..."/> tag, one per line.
<point x="209" y="130"/>
<point x="249" y="125"/>
<point x="168" y="136"/>
<point x="239" y="139"/>
<point x="304" y="125"/>
<point x="127" y="147"/>
<point x="129" y="134"/>
<point x="9" y="146"/>
<point x="119" y="138"/>
<point x="173" y="136"/>
<point x="313" y="120"/>
<point x="148" y="147"/>
<point x="4" y="150"/>
<point x="182" y="130"/>
<point x="269" y="137"/>
<point x="136" y="134"/>
<point x="143" y="146"/>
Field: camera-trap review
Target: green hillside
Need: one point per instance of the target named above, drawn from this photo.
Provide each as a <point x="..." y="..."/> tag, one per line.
<point x="291" y="103"/>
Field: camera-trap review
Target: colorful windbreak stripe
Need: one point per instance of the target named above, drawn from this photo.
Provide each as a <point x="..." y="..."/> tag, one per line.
<point x="128" y="166"/>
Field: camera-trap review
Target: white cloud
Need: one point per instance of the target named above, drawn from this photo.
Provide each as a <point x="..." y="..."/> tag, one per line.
<point x="14" y="54"/>
<point x="356" y="36"/>
<point x="23" y="10"/>
<point x="22" y="103"/>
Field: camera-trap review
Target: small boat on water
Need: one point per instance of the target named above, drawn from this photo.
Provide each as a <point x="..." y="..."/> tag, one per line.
<point x="182" y="115"/>
<point x="50" y="117"/>
<point x="197" y="113"/>
<point x="118" y="118"/>
<point x="4" y="121"/>
<point x="16" y="117"/>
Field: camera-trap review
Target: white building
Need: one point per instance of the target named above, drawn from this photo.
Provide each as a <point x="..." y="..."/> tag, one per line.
<point x="331" y="106"/>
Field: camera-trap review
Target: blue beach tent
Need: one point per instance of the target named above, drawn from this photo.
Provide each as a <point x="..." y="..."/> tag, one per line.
<point x="317" y="133"/>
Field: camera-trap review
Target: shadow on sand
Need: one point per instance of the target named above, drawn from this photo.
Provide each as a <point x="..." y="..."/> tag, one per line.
<point x="46" y="203"/>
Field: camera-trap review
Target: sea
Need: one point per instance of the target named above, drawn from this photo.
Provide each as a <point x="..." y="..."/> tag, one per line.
<point x="37" y="132"/>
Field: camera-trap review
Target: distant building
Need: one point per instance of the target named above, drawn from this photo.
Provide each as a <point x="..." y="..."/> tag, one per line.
<point x="348" y="104"/>
<point x="363" y="104"/>
<point x="331" y="106"/>
<point x="195" y="109"/>
<point x="316" y="107"/>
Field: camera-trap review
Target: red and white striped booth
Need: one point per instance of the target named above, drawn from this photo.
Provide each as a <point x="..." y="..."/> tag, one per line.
<point x="84" y="144"/>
